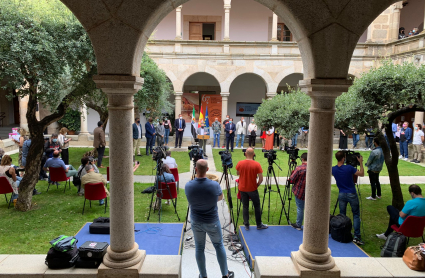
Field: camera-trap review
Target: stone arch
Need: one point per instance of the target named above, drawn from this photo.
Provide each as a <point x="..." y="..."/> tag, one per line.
<point x="268" y="80"/>
<point x="290" y="79"/>
<point x="209" y="79"/>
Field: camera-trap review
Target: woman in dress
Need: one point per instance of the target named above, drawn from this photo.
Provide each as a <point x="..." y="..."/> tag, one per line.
<point x="168" y="129"/>
<point x="6" y="170"/>
<point x="269" y="139"/>
<point x="343" y="137"/>
<point x="64" y="143"/>
<point x="263" y="136"/>
<point x="22" y="138"/>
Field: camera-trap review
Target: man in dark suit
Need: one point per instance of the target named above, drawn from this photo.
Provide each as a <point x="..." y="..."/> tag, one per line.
<point x="230" y="134"/>
<point x="137" y="136"/>
<point x="150" y="133"/>
<point x="99" y="143"/>
<point x="179" y="126"/>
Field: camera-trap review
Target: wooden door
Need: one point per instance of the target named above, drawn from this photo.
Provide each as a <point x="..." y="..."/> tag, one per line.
<point x="195" y="31"/>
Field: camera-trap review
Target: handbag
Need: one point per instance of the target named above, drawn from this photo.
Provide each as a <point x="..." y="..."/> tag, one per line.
<point x="413" y="259"/>
<point x="77" y="179"/>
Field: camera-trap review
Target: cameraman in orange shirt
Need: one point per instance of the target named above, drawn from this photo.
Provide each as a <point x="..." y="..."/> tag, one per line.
<point x="248" y="170"/>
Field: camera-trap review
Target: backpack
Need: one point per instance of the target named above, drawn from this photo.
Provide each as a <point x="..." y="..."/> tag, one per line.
<point x="64" y="243"/>
<point x="58" y="259"/>
<point x="77" y="179"/>
<point x="394" y="246"/>
<point x="100" y="225"/>
<point x="341" y="228"/>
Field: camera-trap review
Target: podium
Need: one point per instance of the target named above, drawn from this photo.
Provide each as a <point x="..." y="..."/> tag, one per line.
<point x="203" y="137"/>
<point x="203" y="142"/>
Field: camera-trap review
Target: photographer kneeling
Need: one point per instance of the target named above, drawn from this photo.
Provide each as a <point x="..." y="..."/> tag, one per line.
<point x="343" y="175"/>
<point x="248" y="170"/>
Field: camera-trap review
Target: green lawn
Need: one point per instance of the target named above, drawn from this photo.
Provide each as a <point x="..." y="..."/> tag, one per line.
<point x="374" y="214"/>
<point x="57" y="213"/>
<point x="405" y="168"/>
<point x="146" y="167"/>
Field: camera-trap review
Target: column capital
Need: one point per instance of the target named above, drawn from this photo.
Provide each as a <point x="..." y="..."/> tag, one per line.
<point x="118" y="82"/>
<point x="179" y="8"/>
<point x="225" y="94"/>
<point x="227" y="7"/>
<point x="325" y="88"/>
<point x="178" y="94"/>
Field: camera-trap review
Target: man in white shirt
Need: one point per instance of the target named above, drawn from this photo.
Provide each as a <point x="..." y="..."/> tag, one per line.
<point x="203" y="142"/>
<point x="418" y="140"/>
<point x="171" y="162"/>
<point x="240" y="132"/>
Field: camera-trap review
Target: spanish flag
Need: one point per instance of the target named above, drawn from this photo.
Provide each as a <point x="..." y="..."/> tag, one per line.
<point x="201" y="117"/>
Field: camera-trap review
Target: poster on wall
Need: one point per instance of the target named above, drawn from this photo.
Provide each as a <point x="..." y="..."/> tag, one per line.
<point x="189" y="100"/>
<point x="246" y="109"/>
<point x="213" y="102"/>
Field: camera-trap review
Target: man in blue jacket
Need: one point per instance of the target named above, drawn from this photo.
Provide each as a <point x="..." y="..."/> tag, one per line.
<point x="375" y="163"/>
<point x="150" y="133"/>
<point x="230" y="134"/>
<point x="137" y="136"/>
<point x="405" y="139"/>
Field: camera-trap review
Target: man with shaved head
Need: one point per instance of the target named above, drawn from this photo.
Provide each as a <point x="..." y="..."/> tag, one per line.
<point x="203" y="195"/>
<point x="248" y="171"/>
<point x="57" y="162"/>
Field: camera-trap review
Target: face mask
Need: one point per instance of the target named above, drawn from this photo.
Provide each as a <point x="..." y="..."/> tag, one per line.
<point x="230" y="121"/>
<point x="405" y="126"/>
<point x="252" y="122"/>
<point x="243" y="120"/>
<point x="166" y="119"/>
<point x="138" y="122"/>
<point x="227" y="118"/>
<point x="54" y="140"/>
<point x="181" y="118"/>
<point x="216" y="120"/>
<point x="416" y="128"/>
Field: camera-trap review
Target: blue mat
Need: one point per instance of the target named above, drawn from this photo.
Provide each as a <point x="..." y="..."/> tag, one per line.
<point x="282" y="240"/>
<point x="155" y="238"/>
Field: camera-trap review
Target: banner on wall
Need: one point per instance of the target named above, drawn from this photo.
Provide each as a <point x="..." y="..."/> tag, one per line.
<point x="190" y="101"/>
<point x="247" y="109"/>
<point x="213" y="102"/>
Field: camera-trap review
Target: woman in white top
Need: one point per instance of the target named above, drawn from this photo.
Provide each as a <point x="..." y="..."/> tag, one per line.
<point x="418" y="140"/>
<point x="6" y="170"/>
<point x="64" y="143"/>
<point x="252" y="133"/>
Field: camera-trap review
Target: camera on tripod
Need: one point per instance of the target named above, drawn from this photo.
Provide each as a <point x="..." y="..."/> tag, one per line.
<point x="159" y="153"/>
<point x="270" y="155"/>
<point x="195" y="153"/>
<point x="226" y="159"/>
<point x="351" y="158"/>
<point x="292" y="151"/>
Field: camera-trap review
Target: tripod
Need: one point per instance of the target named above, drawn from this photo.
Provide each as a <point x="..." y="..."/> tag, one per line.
<point x="225" y="175"/>
<point x="188" y="207"/>
<point x="287" y="194"/>
<point x="268" y="186"/>
<point x="158" y="191"/>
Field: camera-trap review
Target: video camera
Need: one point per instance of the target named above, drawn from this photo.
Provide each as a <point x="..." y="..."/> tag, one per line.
<point x="159" y="153"/>
<point x="292" y="151"/>
<point x="195" y="153"/>
<point x="351" y="158"/>
<point x="226" y="159"/>
<point x="270" y="155"/>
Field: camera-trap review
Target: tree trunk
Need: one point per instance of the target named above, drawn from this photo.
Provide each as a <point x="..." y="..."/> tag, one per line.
<point x="103" y="113"/>
<point x="35" y="153"/>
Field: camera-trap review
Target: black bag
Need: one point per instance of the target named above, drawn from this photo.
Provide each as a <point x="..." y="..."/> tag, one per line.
<point x="57" y="259"/>
<point x="80" y="263"/>
<point x="77" y="179"/>
<point x="64" y="243"/>
<point x="92" y="250"/>
<point x="330" y="219"/>
<point x="341" y="228"/>
<point x="100" y="226"/>
<point x="394" y="246"/>
<point x="149" y="190"/>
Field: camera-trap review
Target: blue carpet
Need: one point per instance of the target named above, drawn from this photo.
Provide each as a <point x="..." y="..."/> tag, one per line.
<point x="155" y="238"/>
<point x="282" y="240"/>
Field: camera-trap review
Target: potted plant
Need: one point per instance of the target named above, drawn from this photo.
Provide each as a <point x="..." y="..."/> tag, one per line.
<point x="71" y="120"/>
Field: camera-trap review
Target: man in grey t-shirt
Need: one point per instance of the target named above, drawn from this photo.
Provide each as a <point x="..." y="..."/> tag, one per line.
<point x="203" y="195"/>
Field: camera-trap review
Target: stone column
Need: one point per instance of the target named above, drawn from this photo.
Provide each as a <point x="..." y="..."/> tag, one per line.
<point x="224" y="103"/>
<point x="419" y="117"/>
<point x="395" y="21"/>
<point x="314" y="253"/>
<point x="178" y="103"/>
<point x="274" y="28"/>
<point x="369" y="33"/>
<point x="83" y="129"/>
<point x="179" y="23"/>
<point x="23" y="107"/>
<point x="226" y="22"/>
<point x="270" y="95"/>
<point x="123" y="258"/>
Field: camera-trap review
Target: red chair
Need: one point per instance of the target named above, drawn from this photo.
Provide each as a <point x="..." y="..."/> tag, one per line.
<point x="6" y="188"/>
<point x="95" y="192"/>
<point x="413" y="226"/>
<point x="58" y="175"/>
<point x="107" y="174"/>
<point x="167" y="191"/>
<point x="175" y="173"/>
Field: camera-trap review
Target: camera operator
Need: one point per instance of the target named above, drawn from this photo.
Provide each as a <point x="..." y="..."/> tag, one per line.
<point x="298" y="178"/>
<point x="375" y="163"/>
<point x="248" y="170"/>
<point x="343" y="175"/>
<point x="203" y="142"/>
<point x="203" y="195"/>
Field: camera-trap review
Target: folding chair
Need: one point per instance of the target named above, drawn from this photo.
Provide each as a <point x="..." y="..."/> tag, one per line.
<point x="167" y="191"/>
<point x="5" y="188"/>
<point x="95" y="192"/>
<point x="58" y="175"/>
<point x="175" y="173"/>
<point x="413" y="226"/>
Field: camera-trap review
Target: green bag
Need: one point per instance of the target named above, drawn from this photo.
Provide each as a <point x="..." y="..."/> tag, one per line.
<point x="64" y="243"/>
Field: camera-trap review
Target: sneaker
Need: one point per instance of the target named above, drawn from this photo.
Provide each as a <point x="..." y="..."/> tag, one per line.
<point x="413" y="160"/>
<point x="295" y="226"/>
<point x="417" y="161"/>
<point x="230" y="274"/>
<point x="358" y="241"/>
<point x="406" y="159"/>
<point x="262" y="227"/>
<point x="36" y="192"/>
<point x="101" y="202"/>
<point x="379" y="197"/>
<point x="247" y="227"/>
<point x="381" y="236"/>
<point x="370" y="198"/>
<point x="400" y="157"/>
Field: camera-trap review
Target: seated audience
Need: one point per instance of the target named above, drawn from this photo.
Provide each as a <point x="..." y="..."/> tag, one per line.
<point x="415" y="207"/>
<point x="52" y="145"/>
<point x="84" y="162"/>
<point x="8" y="171"/>
<point x="92" y="177"/>
<point x="56" y="162"/>
<point x="171" y="162"/>
<point x="169" y="177"/>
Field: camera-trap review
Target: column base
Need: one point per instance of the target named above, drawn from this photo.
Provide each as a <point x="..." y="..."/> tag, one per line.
<point x="128" y="272"/>
<point x="83" y="136"/>
<point x="316" y="270"/>
<point x="274" y="40"/>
